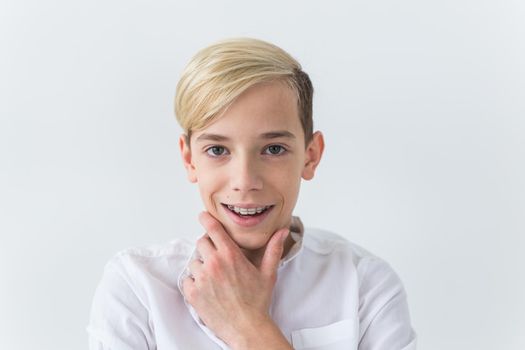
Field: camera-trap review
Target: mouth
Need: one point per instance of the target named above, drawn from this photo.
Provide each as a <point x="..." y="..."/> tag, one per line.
<point x="247" y="214"/>
<point x="247" y="211"/>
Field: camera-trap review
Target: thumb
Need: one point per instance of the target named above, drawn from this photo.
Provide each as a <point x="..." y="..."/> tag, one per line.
<point x="273" y="252"/>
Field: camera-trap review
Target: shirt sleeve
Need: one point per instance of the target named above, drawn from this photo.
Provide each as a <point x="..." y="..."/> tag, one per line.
<point x="118" y="320"/>
<point x="383" y="310"/>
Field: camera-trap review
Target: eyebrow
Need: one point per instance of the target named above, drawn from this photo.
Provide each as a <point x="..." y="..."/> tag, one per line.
<point x="211" y="137"/>
<point x="277" y="134"/>
<point x="267" y="135"/>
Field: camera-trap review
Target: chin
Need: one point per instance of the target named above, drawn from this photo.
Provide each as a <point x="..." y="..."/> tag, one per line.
<point x="252" y="247"/>
<point x="249" y="238"/>
<point x="245" y="241"/>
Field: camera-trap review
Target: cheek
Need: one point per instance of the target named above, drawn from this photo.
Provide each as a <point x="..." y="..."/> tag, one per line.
<point x="210" y="181"/>
<point x="291" y="195"/>
<point x="288" y="182"/>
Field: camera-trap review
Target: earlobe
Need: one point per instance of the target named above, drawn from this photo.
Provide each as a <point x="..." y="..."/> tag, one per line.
<point x="186" y="156"/>
<point x="314" y="152"/>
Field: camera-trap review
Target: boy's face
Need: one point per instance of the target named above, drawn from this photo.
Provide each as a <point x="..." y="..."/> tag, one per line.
<point x="249" y="163"/>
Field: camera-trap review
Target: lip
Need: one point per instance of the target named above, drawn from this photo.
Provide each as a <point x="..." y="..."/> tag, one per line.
<point x="248" y="221"/>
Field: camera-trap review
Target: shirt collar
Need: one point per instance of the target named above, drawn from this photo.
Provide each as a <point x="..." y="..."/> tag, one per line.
<point x="297" y="234"/>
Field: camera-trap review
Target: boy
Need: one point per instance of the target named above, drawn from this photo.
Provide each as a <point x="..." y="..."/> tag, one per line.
<point x="256" y="279"/>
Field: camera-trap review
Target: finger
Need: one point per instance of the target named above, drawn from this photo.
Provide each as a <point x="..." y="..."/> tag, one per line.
<point x="273" y="252"/>
<point x="216" y="231"/>
<point x="205" y="247"/>
<point x="195" y="267"/>
<point x="188" y="289"/>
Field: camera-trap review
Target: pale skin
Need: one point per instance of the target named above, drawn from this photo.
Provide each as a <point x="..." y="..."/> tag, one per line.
<point x="254" y="154"/>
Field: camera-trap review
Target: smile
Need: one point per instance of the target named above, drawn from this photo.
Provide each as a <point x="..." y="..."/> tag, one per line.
<point x="248" y="211"/>
<point x="247" y="215"/>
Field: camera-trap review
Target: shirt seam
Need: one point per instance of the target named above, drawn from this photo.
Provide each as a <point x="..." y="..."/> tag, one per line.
<point x="400" y="292"/>
<point x="368" y="261"/>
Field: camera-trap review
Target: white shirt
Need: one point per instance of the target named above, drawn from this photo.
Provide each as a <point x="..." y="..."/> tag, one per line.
<point x="330" y="294"/>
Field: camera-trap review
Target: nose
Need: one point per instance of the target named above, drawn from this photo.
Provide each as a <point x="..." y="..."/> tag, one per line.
<point x="245" y="174"/>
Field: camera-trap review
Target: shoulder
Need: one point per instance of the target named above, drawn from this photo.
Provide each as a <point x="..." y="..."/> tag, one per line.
<point x="175" y="249"/>
<point x="156" y="261"/>
<point x="325" y="242"/>
<point x="135" y="273"/>
<point x="370" y="267"/>
<point x="134" y="281"/>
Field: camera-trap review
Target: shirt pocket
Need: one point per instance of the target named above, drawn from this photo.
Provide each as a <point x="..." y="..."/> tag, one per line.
<point x="335" y="336"/>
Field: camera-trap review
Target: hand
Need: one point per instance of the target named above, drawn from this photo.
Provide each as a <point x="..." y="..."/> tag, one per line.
<point x="229" y="293"/>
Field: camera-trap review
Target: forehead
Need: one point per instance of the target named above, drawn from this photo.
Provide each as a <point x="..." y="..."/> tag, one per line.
<point x="263" y="108"/>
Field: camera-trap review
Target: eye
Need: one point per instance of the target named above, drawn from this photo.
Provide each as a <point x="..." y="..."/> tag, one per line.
<point x="275" y="150"/>
<point x="216" y="151"/>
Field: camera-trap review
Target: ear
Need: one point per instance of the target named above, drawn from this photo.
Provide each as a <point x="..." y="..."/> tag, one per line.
<point x="185" y="152"/>
<point x="314" y="152"/>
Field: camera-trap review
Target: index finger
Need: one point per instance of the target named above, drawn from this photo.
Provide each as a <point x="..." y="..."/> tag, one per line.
<point x="216" y="231"/>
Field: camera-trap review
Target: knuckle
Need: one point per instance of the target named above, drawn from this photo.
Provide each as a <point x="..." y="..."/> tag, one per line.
<point x="194" y="266"/>
<point x="201" y="240"/>
<point x="196" y="279"/>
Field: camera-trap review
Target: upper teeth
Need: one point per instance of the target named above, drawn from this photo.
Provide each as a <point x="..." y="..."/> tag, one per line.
<point x="248" y="211"/>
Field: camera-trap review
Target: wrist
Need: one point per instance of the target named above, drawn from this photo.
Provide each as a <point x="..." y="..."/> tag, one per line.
<point x="263" y="334"/>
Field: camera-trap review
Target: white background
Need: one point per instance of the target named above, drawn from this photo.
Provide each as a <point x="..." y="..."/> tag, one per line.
<point x="422" y="105"/>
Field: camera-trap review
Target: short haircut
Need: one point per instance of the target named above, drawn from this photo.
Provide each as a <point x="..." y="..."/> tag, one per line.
<point x="219" y="73"/>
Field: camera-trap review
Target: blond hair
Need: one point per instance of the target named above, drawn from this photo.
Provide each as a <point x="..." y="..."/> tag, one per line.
<point x="219" y="73"/>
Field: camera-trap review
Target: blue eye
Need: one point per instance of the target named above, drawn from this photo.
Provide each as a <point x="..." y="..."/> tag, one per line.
<point x="275" y="150"/>
<point x="216" y="151"/>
